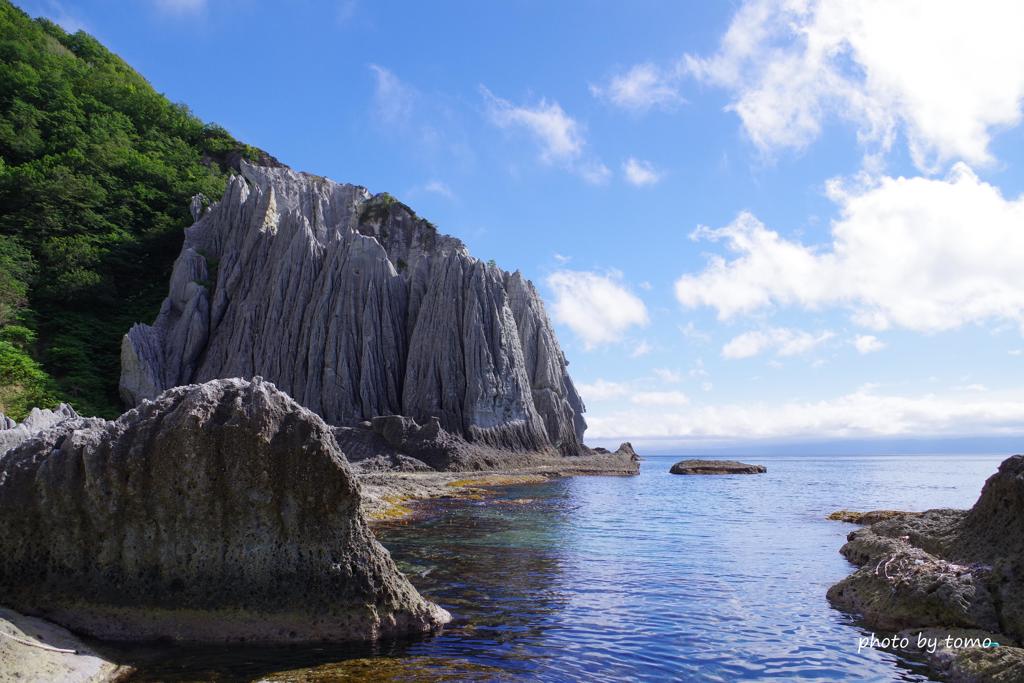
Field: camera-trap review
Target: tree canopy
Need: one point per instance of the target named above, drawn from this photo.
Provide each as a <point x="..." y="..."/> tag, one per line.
<point x="96" y="173"/>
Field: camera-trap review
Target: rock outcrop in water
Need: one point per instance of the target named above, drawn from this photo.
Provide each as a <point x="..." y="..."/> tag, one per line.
<point x="358" y="309"/>
<point x="218" y="512"/>
<point x="947" y="571"/>
<point x="715" y="467"/>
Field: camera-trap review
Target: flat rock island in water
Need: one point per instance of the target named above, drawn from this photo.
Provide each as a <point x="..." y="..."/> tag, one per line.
<point x="716" y="467"/>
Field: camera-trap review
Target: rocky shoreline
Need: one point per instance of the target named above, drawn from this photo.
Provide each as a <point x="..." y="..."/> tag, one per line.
<point x="947" y="572"/>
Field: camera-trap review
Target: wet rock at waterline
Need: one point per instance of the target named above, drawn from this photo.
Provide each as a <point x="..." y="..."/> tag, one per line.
<point x="221" y="511"/>
<point x="357" y="308"/>
<point x="945" y="570"/>
<point x="715" y="467"/>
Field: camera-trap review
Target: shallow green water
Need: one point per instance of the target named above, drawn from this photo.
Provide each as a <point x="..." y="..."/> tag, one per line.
<point x="653" y="577"/>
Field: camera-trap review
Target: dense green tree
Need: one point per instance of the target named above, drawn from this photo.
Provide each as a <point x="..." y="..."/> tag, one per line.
<point x="96" y="173"/>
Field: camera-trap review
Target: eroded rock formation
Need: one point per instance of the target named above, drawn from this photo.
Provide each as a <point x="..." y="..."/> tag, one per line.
<point x="358" y="309"/>
<point x="12" y="433"/>
<point x="218" y="512"/>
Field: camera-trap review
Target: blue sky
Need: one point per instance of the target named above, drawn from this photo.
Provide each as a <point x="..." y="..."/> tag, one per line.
<point x="751" y="222"/>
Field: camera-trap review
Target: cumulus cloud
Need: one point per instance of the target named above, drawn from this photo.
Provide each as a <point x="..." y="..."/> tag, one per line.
<point x="597" y="308"/>
<point x="640" y="173"/>
<point x="919" y="253"/>
<point x="642" y="87"/>
<point x="783" y="341"/>
<point x="868" y="343"/>
<point x="945" y="75"/>
<point x="861" y="414"/>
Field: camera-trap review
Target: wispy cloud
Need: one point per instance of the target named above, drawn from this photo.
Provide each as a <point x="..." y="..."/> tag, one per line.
<point x="868" y="343"/>
<point x="181" y="6"/>
<point x="560" y="138"/>
<point x="439" y="188"/>
<point x="640" y="173"/>
<point x="783" y="341"/>
<point x="643" y="87"/>
<point x="392" y="99"/>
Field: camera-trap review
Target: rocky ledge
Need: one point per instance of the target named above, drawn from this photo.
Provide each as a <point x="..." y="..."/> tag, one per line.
<point x="217" y="512"/>
<point x="947" y="571"/>
<point x="716" y="467"/>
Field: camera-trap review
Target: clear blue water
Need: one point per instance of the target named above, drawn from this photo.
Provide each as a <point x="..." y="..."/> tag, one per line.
<point x="653" y="577"/>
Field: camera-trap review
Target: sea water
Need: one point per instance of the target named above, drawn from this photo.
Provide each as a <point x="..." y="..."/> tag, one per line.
<point x="652" y="577"/>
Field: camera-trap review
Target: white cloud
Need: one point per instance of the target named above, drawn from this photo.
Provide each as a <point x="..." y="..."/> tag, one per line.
<point x="641" y="88"/>
<point x="597" y="308"/>
<point x="601" y="390"/>
<point x="868" y="343"/>
<point x="393" y="99"/>
<point x="594" y="172"/>
<point x="557" y="133"/>
<point x="1016" y="352"/>
<point x="659" y="398"/>
<point x="707" y="386"/>
<point x="863" y="413"/>
<point x="561" y="258"/>
<point x="181" y="6"/>
<point x="439" y="188"/>
<point x="640" y="173"/>
<point x="641" y="349"/>
<point x="668" y="376"/>
<point x="923" y="254"/>
<point x="944" y="74"/>
<point x="559" y="136"/>
<point x="782" y="340"/>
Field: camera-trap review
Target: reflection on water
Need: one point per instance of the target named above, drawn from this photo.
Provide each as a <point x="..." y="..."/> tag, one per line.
<point x="651" y="577"/>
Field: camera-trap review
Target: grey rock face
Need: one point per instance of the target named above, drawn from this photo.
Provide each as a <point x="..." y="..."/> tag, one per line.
<point x="12" y="433"/>
<point x="218" y="512"/>
<point x="358" y="309"/>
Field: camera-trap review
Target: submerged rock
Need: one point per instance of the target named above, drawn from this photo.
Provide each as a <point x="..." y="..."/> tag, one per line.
<point x="716" y="467"/>
<point x="358" y="309"/>
<point x="946" y="570"/>
<point x="218" y="512"/>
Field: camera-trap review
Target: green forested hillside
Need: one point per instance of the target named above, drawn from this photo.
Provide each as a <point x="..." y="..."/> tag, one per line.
<point x="96" y="172"/>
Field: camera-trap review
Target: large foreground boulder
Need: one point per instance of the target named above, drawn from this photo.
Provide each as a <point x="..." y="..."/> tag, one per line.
<point x="218" y="512"/>
<point x="948" y="570"/>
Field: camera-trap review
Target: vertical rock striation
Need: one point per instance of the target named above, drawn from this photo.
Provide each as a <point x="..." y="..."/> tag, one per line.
<point x="357" y="308"/>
